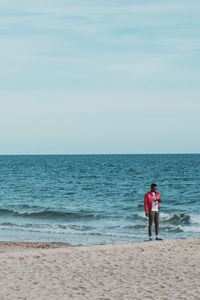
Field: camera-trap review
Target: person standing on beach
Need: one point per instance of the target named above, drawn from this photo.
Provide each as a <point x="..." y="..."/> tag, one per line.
<point x="152" y="209"/>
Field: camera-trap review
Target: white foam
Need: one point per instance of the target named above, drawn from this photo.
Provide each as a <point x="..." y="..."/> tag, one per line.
<point x="195" y="219"/>
<point x="191" y="228"/>
<point x="55" y="229"/>
<point x="166" y="216"/>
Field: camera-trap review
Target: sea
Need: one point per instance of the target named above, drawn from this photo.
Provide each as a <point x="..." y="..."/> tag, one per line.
<point x="97" y="199"/>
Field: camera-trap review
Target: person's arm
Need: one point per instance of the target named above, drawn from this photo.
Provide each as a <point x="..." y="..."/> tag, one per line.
<point x="146" y="208"/>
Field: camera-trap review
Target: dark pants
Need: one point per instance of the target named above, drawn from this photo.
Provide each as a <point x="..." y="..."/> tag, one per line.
<point x="154" y="218"/>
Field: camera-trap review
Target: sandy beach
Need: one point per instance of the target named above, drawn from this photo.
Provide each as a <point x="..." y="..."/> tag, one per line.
<point x="146" y="270"/>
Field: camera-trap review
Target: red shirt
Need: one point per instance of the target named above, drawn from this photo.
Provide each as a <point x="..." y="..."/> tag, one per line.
<point x="148" y="200"/>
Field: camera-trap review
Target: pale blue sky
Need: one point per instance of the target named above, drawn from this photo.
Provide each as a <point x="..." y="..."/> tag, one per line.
<point x="106" y="76"/>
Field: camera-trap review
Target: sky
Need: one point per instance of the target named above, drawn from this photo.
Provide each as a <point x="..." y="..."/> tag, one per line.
<point x="99" y="76"/>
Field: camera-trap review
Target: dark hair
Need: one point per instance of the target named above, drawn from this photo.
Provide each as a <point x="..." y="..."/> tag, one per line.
<point x="153" y="185"/>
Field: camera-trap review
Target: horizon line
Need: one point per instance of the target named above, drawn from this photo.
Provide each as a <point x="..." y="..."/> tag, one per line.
<point x="70" y="154"/>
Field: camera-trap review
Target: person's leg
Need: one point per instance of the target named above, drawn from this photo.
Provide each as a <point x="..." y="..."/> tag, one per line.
<point x="150" y="224"/>
<point x="156" y="221"/>
<point x="157" y="225"/>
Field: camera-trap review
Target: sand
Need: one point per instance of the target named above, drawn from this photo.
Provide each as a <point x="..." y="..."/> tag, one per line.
<point x="146" y="270"/>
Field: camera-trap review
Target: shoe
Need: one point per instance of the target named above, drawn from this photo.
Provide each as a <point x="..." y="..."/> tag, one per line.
<point x="150" y="238"/>
<point x="158" y="239"/>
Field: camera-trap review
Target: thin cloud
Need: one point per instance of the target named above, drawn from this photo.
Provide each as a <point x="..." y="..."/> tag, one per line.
<point x="98" y="63"/>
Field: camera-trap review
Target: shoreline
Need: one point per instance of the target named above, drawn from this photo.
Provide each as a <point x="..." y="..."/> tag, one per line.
<point x="26" y="245"/>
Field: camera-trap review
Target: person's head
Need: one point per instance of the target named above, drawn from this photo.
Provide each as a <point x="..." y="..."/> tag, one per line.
<point x="153" y="187"/>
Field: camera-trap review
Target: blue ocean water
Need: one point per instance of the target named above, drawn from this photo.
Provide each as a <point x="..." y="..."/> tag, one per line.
<point x="94" y="199"/>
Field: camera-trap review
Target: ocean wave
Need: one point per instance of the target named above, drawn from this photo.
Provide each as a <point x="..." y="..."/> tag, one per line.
<point x="137" y="226"/>
<point x="22" y="206"/>
<point x="171" y="228"/>
<point x="60" y="229"/>
<point x="180" y="219"/>
<point x="52" y="214"/>
<point x="6" y="225"/>
<point x="175" y="219"/>
<point x="134" y="216"/>
<point x="193" y="229"/>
